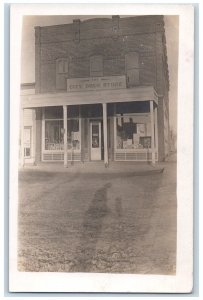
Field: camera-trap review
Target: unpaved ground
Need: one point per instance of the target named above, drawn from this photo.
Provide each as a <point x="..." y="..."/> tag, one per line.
<point x="97" y="222"/>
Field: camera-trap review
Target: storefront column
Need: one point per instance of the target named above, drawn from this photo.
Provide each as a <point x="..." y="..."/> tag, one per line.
<point x="22" y="138"/>
<point x="34" y="136"/>
<point x="65" y="136"/>
<point x="156" y="129"/>
<point x="106" y="160"/>
<point x="43" y="131"/>
<point x="152" y="131"/>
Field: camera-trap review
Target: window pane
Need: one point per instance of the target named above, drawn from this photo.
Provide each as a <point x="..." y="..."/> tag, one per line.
<point x="129" y="133"/>
<point x="133" y="107"/>
<point x="95" y="136"/>
<point x="27" y="152"/>
<point x="53" y="135"/>
<point x="61" y="73"/>
<point x="55" y="112"/>
<point x="73" y="134"/>
<point x="132" y="68"/>
<point x="91" y="111"/>
<point x="27" y="142"/>
<point x="141" y="129"/>
<point x="62" y="66"/>
<point x="132" y="60"/>
<point x="96" y="65"/>
<point x="73" y="111"/>
<point x="145" y="142"/>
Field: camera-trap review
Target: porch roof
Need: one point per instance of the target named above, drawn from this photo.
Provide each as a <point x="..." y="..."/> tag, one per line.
<point x="140" y="93"/>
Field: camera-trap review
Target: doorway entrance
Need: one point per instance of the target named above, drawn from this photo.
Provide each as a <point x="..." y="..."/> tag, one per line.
<point x="95" y="140"/>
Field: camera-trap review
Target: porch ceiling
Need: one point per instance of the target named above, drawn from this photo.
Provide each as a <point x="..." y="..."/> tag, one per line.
<point x="141" y="93"/>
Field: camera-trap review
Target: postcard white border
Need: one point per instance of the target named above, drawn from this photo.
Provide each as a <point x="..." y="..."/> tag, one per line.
<point x="83" y="282"/>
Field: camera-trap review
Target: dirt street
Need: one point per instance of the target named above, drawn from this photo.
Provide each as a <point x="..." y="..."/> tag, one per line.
<point x="90" y="222"/>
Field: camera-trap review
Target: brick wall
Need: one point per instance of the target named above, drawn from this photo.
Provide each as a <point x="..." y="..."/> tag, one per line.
<point x="111" y="38"/>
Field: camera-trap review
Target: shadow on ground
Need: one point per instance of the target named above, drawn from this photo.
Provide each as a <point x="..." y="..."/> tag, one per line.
<point x="116" y="223"/>
<point x="91" y="230"/>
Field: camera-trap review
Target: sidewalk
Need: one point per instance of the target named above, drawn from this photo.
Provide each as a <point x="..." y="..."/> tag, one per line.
<point x="135" y="168"/>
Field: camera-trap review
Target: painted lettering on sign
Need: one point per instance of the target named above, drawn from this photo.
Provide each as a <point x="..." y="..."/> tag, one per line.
<point x="96" y="83"/>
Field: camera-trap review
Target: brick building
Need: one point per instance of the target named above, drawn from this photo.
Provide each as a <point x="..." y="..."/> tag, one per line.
<point x="101" y="92"/>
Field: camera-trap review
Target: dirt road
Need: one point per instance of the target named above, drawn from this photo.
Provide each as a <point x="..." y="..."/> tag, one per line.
<point x="97" y="222"/>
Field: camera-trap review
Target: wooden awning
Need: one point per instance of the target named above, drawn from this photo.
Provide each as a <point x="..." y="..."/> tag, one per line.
<point x="141" y="93"/>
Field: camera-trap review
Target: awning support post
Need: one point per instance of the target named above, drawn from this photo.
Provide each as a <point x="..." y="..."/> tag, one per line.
<point x="152" y="131"/>
<point x="156" y="129"/>
<point x="65" y="136"/>
<point x="106" y="161"/>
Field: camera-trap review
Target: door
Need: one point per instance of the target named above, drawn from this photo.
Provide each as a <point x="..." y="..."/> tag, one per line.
<point x="27" y="142"/>
<point x="95" y="140"/>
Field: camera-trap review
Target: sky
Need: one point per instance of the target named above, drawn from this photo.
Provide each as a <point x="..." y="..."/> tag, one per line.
<point x="28" y="52"/>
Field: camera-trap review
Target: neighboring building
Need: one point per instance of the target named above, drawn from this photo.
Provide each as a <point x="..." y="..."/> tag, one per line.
<point x="101" y="92"/>
<point x="27" y="122"/>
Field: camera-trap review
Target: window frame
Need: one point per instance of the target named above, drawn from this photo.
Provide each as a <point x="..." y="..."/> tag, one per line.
<point x="61" y="74"/>
<point x="115" y="135"/>
<point x="65" y="66"/>
<point x="101" y="72"/>
<point x="131" y="69"/>
<point x="59" y="150"/>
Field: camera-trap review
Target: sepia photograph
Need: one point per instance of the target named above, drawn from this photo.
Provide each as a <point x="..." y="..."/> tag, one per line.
<point x="97" y="145"/>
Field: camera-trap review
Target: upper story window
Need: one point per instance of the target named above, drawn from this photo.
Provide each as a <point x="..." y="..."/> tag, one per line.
<point x="132" y="68"/>
<point x="61" y="73"/>
<point x="62" y="65"/>
<point x="96" y="65"/>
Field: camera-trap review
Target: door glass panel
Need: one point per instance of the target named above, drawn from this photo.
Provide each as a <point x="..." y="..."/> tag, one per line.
<point x="27" y="152"/>
<point x="27" y="141"/>
<point x="95" y="136"/>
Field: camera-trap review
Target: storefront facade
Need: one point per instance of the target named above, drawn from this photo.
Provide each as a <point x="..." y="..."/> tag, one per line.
<point x="100" y="100"/>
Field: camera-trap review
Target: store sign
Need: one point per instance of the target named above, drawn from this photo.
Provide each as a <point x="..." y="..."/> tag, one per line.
<point x="96" y="83"/>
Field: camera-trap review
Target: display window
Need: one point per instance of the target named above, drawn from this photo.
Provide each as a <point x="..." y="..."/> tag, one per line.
<point x="130" y="134"/>
<point x="54" y="134"/>
<point x="73" y="134"/>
